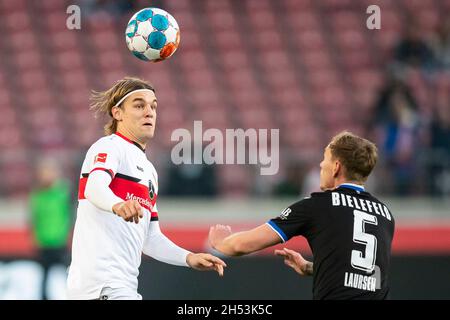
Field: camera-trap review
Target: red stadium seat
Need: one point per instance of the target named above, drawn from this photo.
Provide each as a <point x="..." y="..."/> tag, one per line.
<point x="298" y="5"/>
<point x="187" y="20"/>
<point x="51" y="5"/>
<point x="56" y="21"/>
<point x="69" y="61"/>
<point x="262" y="20"/>
<point x="17" y="176"/>
<point x="302" y="21"/>
<point x="233" y="60"/>
<point x="222" y="20"/>
<point x="64" y="40"/>
<point x="314" y="60"/>
<point x="18" y="21"/>
<point x="214" y="6"/>
<point x="22" y="41"/>
<point x="5" y="98"/>
<point x="228" y="40"/>
<point x="9" y="7"/>
<point x="36" y="79"/>
<point x="27" y="60"/>
<point x="309" y="40"/>
<point x="105" y="41"/>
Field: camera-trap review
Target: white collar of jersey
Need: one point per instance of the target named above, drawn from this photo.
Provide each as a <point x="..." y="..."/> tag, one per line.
<point x="130" y="141"/>
<point x="130" y="93"/>
<point x="353" y="186"/>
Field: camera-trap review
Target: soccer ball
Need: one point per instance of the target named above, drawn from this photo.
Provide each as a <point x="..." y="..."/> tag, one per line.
<point x="152" y="34"/>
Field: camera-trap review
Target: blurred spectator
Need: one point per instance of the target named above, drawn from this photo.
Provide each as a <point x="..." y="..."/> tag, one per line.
<point x="311" y="182"/>
<point x="107" y="7"/>
<point x="50" y="217"/>
<point x="291" y="184"/>
<point x="441" y="45"/>
<point x="394" y="88"/>
<point x="192" y="180"/>
<point x="412" y="50"/>
<point x="198" y="180"/>
<point x="114" y="7"/>
<point x="439" y="155"/>
<point x="396" y="115"/>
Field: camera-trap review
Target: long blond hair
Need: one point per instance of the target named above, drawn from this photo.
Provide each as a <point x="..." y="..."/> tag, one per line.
<point x="103" y="101"/>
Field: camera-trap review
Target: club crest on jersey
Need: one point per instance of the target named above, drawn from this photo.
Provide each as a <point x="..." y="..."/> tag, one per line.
<point x="101" y="157"/>
<point x="284" y="215"/>
<point x="151" y="190"/>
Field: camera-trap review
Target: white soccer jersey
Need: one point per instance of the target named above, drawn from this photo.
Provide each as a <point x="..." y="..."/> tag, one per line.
<point x="106" y="250"/>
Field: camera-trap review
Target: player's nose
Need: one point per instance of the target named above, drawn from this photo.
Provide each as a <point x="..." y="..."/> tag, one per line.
<point x="148" y="113"/>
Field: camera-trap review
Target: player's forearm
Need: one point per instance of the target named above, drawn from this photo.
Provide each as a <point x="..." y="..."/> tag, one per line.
<point x="235" y="245"/>
<point x="245" y="242"/>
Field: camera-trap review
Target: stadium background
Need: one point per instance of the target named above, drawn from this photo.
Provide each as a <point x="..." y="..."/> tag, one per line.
<point x="309" y="68"/>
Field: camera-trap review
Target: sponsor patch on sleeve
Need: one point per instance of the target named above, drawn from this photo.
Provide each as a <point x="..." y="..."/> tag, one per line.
<point x="101" y="157"/>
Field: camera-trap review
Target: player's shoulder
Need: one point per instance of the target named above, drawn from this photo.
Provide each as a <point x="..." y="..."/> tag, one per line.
<point x="110" y="139"/>
<point x="313" y="200"/>
<point x="307" y="200"/>
<point x="319" y="196"/>
<point x="110" y="142"/>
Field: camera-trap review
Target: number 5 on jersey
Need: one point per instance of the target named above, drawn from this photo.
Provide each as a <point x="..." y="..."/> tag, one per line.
<point x="366" y="261"/>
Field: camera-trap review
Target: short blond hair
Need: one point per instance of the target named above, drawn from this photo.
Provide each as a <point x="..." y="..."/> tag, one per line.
<point x="102" y="102"/>
<point x="358" y="155"/>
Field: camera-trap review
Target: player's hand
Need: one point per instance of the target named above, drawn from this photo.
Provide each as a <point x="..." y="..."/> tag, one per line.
<point x="129" y="210"/>
<point x="295" y="260"/>
<point x="217" y="233"/>
<point x="205" y="262"/>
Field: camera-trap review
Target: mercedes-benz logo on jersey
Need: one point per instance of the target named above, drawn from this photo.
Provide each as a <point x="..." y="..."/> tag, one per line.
<point x="151" y="190"/>
<point x="284" y="215"/>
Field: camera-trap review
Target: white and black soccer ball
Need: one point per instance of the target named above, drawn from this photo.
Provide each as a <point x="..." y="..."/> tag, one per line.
<point x="152" y="34"/>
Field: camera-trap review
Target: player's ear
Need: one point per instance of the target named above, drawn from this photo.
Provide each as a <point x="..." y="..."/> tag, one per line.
<point x="116" y="113"/>
<point x="337" y="168"/>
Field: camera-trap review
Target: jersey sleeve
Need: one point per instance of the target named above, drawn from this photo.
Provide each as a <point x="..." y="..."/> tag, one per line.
<point x="293" y="220"/>
<point x="103" y="155"/>
<point x="153" y="192"/>
<point x="161" y="248"/>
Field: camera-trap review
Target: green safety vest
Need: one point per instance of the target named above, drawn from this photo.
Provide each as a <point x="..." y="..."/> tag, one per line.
<point x="50" y="214"/>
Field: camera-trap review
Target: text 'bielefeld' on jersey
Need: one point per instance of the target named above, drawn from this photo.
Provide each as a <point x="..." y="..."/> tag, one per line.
<point x="350" y="234"/>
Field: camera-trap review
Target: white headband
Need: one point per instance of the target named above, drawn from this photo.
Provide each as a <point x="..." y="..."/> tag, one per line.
<point x="130" y="93"/>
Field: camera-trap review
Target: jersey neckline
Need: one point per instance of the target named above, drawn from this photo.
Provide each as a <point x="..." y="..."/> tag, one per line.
<point x="352" y="186"/>
<point x="130" y="141"/>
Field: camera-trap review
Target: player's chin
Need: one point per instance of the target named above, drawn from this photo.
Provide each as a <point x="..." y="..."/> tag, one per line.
<point x="149" y="133"/>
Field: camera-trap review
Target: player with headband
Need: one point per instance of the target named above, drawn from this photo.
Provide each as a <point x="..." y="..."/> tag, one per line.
<point x="117" y="216"/>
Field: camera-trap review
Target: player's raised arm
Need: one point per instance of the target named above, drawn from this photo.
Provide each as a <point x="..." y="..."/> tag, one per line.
<point x="222" y="239"/>
<point x="161" y="248"/>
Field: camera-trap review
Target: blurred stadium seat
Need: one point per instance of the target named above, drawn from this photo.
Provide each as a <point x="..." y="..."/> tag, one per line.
<point x="248" y="67"/>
